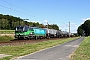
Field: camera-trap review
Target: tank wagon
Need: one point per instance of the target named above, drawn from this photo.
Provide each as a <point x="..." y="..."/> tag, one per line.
<point x="27" y="32"/>
<point x="65" y="34"/>
<point x="59" y="34"/>
<point x="50" y="33"/>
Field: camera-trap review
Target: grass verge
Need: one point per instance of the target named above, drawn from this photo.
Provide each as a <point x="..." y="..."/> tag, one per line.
<point x="20" y="50"/>
<point x="7" y="31"/>
<point x="83" y="52"/>
<point x="5" y="38"/>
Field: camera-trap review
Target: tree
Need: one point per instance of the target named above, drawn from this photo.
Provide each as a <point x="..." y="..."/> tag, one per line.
<point x="30" y="24"/>
<point x="41" y="26"/>
<point x="53" y="26"/>
<point x="84" y="28"/>
<point x="10" y="22"/>
<point x="37" y="24"/>
<point x="80" y="30"/>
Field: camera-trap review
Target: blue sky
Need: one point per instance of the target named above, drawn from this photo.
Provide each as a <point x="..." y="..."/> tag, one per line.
<point x="58" y="12"/>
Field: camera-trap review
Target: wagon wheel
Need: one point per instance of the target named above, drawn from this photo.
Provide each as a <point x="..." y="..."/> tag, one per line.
<point x="36" y="38"/>
<point x="47" y="37"/>
<point x="29" y="38"/>
<point x="24" y="38"/>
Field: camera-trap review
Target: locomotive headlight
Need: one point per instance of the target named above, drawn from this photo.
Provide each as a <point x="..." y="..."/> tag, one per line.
<point x="31" y="33"/>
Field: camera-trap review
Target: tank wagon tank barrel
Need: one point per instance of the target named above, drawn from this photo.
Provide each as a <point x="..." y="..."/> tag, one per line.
<point x="50" y="33"/>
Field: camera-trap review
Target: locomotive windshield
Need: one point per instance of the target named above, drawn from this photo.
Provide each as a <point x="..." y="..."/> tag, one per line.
<point x="26" y="28"/>
<point x="19" y="28"/>
<point x="22" y="28"/>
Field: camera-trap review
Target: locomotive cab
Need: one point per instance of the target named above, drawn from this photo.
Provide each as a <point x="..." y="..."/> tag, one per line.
<point x="23" y="32"/>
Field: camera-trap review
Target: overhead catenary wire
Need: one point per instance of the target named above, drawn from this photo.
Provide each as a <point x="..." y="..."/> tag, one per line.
<point x="15" y="5"/>
<point x="15" y="10"/>
<point x="20" y="8"/>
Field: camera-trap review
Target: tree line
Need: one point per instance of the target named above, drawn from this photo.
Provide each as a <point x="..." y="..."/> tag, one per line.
<point x="8" y="22"/>
<point x="84" y="29"/>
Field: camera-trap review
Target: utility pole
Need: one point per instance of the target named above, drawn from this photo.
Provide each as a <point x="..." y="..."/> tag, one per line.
<point x="47" y="24"/>
<point x="69" y="29"/>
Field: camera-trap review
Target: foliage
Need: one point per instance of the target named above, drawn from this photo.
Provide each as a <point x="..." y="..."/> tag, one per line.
<point x="20" y="50"/>
<point x="84" y="29"/>
<point x="9" y="22"/>
<point x="83" y="52"/>
<point x="53" y="26"/>
<point x="80" y="30"/>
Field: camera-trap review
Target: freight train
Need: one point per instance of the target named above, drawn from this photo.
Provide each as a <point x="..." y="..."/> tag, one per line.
<point x="27" y="32"/>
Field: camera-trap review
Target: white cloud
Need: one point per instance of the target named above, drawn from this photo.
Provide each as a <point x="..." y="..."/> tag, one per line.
<point x="84" y="19"/>
<point x="41" y="22"/>
<point x="73" y="25"/>
<point x="45" y="21"/>
<point x="74" y="31"/>
<point x="81" y="23"/>
<point x="35" y="21"/>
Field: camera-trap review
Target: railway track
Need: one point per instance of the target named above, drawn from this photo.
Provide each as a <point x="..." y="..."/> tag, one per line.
<point x="22" y="42"/>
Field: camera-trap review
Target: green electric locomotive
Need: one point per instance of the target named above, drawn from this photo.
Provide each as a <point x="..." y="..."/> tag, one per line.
<point x="27" y="32"/>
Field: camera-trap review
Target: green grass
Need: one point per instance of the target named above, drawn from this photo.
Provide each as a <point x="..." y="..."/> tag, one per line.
<point x="20" y="50"/>
<point x="83" y="52"/>
<point x="5" y="38"/>
<point x="7" y="31"/>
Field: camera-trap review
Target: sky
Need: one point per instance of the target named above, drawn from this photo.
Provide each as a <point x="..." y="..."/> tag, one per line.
<point x="59" y="12"/>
